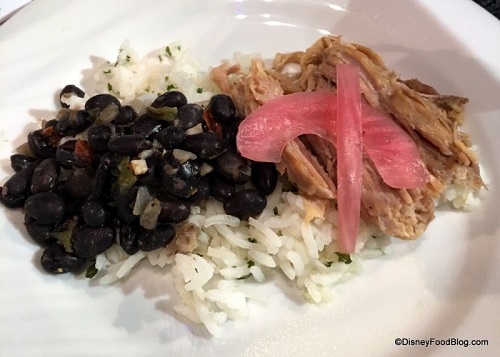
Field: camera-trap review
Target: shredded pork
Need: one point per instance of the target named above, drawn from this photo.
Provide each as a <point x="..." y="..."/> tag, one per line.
<point x="431" y="119"/>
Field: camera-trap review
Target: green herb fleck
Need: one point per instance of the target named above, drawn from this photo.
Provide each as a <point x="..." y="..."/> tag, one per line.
<point x="199" y="254"/>
<point x="244" y="277"/>
<point x="107" y="72"/>
<point x="345" y="258"/>
<point x="167" y="78"/>
<point x="127" y="58"/>
<point x="110" y="87"/>
<point x="328" y="264"/>
<point x="275" y="210"/>
<point x="167" y="49"/>
<point x="160" y="58"/>
<point x="91" y="271"/>
<point x="252" y="240"/>
<point x="250" y="263"/>
<point x="171" y="86"/>
<point x="65" y="235"/>
<point x="126" y="177"/>
<point x="179" y="47"/>
<point x="199" y="90"/>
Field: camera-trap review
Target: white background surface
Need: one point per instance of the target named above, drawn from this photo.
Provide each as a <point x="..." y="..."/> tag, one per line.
<point x="444" y="285"/>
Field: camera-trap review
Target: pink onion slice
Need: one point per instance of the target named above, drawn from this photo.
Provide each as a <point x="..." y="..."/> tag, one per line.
<point x="349" y="156"/>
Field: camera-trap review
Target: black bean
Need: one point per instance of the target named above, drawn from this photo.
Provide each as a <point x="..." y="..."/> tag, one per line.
<point x="124" y="204"/>
<point x="190" y="115"/>
<point x="56" y="260"/>
<point x="80" y="183"/>
<point x="170" y="137"/>
<point x="12" y="201"/>
<point x="229" y="132"/>
<point x="222" y="108"/>
<point x="264" y="177"/>
<point x="19" y="183"/>
<point x="170" y="99"/>
<point x="174" y="211"/>
<point x="101" y="101"/>
<point x="245" y="203"/>
<point x="159" y="237"/>
<point x="129" y="144"/>
<point x="40" y="145"/>
<point x="221" y="190"/>
<point x="91" y="241"/>
<point x="127" y="235"/>
<point x="189" y="169"/>
<point x="153" y="176"/>
<point x="206" y="145"/>
<point x="45" y="176"/>
<point x="69" y="91"/>
<point x="75" y="153"/>
<point x="102" y="180"/>
<point x="99" y="135"/>
<point x="168" y="161"/>
<point x="93" y="213"/>
<point x="202" y="191"/>
<point x="19" y="162"/>
<point x="111" y="159"/>
<point x="177" y="186"/>
<point x="126" y="115"/>
<point x="147" y="125"/>
<point x="51" y="123"/>
<point x="65" y="153"/>
<point x="233" y="167"/>
<point x="40" y="233"/>
<point x="73" y="122"/>
<point x="45" y="207"/>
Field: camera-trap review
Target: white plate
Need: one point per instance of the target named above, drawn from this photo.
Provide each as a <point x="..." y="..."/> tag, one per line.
<point x="444" y="285"/>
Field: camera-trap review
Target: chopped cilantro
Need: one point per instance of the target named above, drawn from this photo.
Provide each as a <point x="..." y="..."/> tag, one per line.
<point x="160" y="58"/>
<point x="167" y="49"/>
<point x="91" y="271"/>
<point x="107" y="72"/>
<point x="167" y="78"/>
<point x="127" y="58"/>
<point x="199" y="90"/>
<point x="250" y="263"/>
<point x="179" y="47"/>
<point x="171" y="86"/>
<point x="110" y="87"/>
<point x="345" y="258"/>
<point x="244" y="277"/>
<point x="252" y="240"/>
<point x="328" y="264"/>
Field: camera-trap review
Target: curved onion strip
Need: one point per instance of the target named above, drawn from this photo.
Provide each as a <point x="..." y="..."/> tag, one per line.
<point x="392" y="150"/>
<point x="263" y="134"/>
<point x="349" y="156"/>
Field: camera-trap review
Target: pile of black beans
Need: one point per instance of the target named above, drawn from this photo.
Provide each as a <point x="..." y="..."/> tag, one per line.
<point x="79" y="195"/>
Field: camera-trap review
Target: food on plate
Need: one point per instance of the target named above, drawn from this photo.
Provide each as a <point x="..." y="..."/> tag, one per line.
<point x="431" y="120"/>
<point x="240" y="173"/>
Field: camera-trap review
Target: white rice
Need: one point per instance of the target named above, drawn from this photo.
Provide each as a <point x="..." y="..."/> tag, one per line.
<point x="212" y="280"/>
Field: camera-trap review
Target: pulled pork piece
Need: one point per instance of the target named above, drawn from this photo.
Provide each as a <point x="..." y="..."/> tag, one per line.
<point x="185" y="240"/>
<point x="431" y="119"/>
